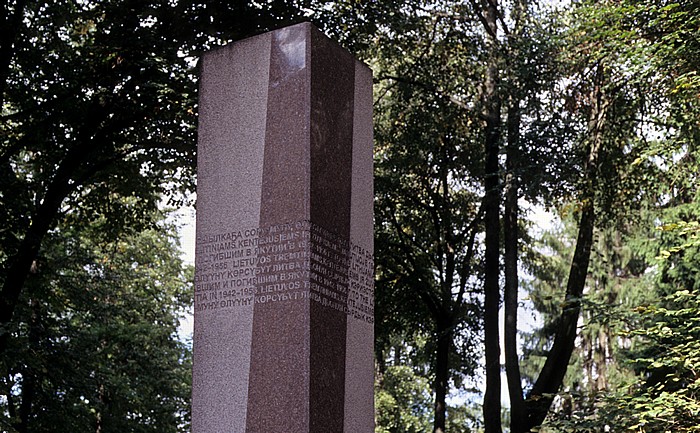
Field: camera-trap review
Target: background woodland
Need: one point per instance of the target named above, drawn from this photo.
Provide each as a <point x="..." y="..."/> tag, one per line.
<point x="486" y="112"/>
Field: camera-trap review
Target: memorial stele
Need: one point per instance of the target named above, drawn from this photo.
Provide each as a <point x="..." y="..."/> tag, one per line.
<point x="284" y="287"/>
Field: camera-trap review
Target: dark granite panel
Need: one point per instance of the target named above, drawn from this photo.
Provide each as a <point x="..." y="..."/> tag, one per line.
<point x="332" y="95"/>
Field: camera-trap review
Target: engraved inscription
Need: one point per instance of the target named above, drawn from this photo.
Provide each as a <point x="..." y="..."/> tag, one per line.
<point x="284" y="262"/>
<point x="361" y="288"/>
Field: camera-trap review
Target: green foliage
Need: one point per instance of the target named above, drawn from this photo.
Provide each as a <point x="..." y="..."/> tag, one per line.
<point x="96" y="345"/>
<point x="669" y="397"/>
<point x="104" y="94"/>
<point x="97" y="115"/>
<point x="638" y="60"/>
<point x="403" y="401"/>
<point x="427" y="200"/>
<point x="665" y="396"/>
<point x="687" y="230"/>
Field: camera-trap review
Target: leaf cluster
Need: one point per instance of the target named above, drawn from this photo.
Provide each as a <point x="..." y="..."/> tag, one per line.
<point x="96" y="340"/>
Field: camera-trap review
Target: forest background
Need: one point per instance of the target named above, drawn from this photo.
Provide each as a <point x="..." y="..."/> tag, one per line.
<point x="484" y="109"/>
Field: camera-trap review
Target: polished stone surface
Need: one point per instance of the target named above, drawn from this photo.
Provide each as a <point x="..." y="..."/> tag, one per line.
<point x="283" y="337"/>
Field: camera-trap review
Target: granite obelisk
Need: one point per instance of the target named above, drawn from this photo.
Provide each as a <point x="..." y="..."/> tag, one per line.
<point x="284" y="307"/>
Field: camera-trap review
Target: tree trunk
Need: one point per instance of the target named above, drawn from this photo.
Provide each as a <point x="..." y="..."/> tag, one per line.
<point x="29" y="376"/>
<point x="442" y="377"/>
<point x="11" y="403"/>
<point x="510" y="295"/>
<point x="29" y="248"/>
<point x="74" y="170"/>
<point x="102" y="404"/>
<point x="552" y="375"/>
<point x="492" y="202"/>
<point x="25" y="407"/>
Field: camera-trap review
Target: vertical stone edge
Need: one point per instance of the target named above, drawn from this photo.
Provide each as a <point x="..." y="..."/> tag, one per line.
<point x="332" y="104"/>
<point x="359" y="370"/>
<point x="231" y="135"/>
<point x="280" y="338"/>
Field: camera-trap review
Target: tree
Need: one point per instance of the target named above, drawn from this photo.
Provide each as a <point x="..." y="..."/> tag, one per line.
<point x="99" y="97"/>
<point x="605" y="112"/>
<point x="403" y="401"/>
<point x="645" y="106"/>
<point x="99" y="350"/>
<point x="492" y="211"/>
<point x="430" y="217"/>
<point x="440" y="114"/>
<point x="599" y="101"/>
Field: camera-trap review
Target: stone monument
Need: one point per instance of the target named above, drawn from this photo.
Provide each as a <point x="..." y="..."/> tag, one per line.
<point x="284" y="308"/>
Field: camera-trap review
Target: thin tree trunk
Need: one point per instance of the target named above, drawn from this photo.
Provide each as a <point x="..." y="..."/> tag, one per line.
<point x="29" y="248"/>
<point x="442" y="377"/>
<point x="552" y="375"/>
<point x="29" y="381"/>
<point x="74" y="170"/>
<point x="510" y="295"/>
<point x="98" y="413"/>
<point x="492" y="201"/>
<point x="11" y="404"/>
<point x="445" y="322"/>
<point x="25" y="407"/>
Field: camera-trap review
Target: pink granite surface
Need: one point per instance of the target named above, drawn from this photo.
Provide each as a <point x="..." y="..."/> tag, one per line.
<point x="283" y="339"/>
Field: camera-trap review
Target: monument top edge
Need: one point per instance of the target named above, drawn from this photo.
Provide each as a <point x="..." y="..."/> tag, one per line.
<point x="308" y="27"/>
